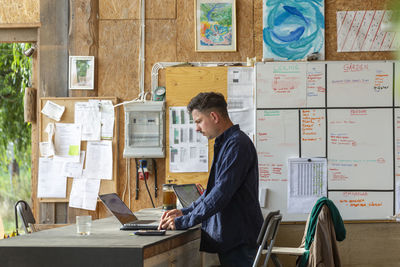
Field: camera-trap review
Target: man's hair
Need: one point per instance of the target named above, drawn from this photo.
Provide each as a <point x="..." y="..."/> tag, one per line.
<point x="207" y="102"/>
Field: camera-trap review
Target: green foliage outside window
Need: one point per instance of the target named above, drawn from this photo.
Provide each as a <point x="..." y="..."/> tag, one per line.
<point x="15" y="134"/>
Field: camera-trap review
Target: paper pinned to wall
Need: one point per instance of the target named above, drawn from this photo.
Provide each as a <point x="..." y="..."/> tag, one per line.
<point x="53" y="110"/>
<point x="361" y="31"/>
<point x="67" y="141"/>
<point x="51" y="182"/>
<point x="47" y="148"/>
<point x="241" y="98"/>
<point x="74" y="169"/>
<point x="307" y="183"/>
<point x="84" y="194"/>
<point x="88" y="115"/>
<point x="107" y="119"/>
<point x="99" y="160"/>
<point x="188" y="148"/>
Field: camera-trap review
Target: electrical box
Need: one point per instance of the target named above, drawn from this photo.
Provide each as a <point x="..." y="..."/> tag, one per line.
<point x="144" y="129"/>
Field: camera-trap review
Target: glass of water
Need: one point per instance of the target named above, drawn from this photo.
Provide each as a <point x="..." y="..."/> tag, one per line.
<point x="83" y="224"/>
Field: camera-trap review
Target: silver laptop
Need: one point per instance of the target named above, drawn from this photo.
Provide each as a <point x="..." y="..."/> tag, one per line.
<point x="124" y="215"/>
<point x="186" y="193"/>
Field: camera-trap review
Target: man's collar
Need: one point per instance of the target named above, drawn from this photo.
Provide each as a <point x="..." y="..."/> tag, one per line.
<point x="228" y="132"/>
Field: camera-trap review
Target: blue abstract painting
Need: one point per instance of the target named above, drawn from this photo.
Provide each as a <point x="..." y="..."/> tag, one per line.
<point x="293" y="29"/>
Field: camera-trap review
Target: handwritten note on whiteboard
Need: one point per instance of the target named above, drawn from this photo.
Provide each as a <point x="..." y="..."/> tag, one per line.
<point x="360" y="84"/>
<point x="313" y="133"/>
<point x="315" y="85"/>
<point x="277" y="141"/>
<point x="361" y="31"/>
<point x="360" y="149"/>
<point x="281" y="85"/>
<point x="363" y="205"/>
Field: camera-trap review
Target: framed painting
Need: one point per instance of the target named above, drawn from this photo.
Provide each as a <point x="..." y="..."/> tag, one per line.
<point x="293" y="30"/>
<point x="81" y="72"/>
<point x="215" y="25"/>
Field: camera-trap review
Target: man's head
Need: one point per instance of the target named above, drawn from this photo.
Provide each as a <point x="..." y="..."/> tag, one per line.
<point x="209" y="112"/>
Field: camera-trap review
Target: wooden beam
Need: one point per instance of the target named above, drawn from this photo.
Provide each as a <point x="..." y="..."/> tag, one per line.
<point x="19" y="25"/>
<point x="18" y="35"/>
<point x="53" y="58"/>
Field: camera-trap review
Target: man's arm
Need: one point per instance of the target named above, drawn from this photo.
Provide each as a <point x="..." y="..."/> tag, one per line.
<point x="233" y="172"/>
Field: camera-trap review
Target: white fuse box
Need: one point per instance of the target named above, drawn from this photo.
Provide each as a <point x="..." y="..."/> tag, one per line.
<point x="144" y="129"/>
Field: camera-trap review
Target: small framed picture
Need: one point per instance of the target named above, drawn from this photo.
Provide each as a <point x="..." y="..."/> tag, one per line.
<point x="215" y="25"/>
<point x="81" y="72"/>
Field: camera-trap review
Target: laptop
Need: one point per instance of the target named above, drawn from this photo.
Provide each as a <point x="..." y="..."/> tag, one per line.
<point x="124" y="215"/>
<point x="186" y="193"/>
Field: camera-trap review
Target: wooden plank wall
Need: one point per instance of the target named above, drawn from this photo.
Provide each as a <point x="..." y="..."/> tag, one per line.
<point x="199" y="79"/>
<point x="109" y="30"/>
<point x="19" y="11"/>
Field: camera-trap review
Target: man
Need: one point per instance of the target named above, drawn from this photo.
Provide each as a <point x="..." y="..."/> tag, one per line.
<point x="229" y="209"/>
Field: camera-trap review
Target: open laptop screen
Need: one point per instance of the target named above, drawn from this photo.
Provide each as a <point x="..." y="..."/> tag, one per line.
<point x="186" y="193"/>
<point x="118" y="208"/>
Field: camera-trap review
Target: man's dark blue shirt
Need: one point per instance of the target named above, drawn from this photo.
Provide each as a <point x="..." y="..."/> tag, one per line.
<point x="229" y="209"/>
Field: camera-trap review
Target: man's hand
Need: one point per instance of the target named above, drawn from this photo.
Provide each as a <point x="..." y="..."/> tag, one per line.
<point x="167" y="219"/>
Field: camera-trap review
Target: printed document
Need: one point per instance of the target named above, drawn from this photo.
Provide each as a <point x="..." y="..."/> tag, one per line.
<point x="53" y="110"/>
<point x="84" y="194"/>
<point x="74" y="169"/>
<point x="67" y="141"/>
<point x="307" y="183"/>
<point x="88" y="115"/>
<point x="51" y="182"/>
<point x="107" y="119"/>
<point x="99" y="160"/>
<point x="241" y="99"/>
<point x="188" y="148"/>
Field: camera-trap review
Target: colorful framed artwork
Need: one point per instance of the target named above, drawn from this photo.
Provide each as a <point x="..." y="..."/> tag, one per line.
<point x="215" y="25"/>
<point x="81" y="72"/>
<point x="293" y="30"/>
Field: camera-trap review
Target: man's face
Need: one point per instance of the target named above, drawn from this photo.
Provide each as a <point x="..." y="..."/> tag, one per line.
<point x="205" y="123"/>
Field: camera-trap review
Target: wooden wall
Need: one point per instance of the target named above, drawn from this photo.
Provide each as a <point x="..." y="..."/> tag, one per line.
<point x="19" y="11"/>
<point x="109" y="30"/>
<point x="170" y="38"/>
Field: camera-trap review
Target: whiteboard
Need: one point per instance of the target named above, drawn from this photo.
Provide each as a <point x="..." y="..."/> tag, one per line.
<point x="360" y="153"/>
<point x="345" y="112"/>
<point x="277" y="141"/>
<point x="359" y="84"/>
<point x="281" y="85"/>
<point x="363" y="205"/>
<point x="287" y="85"/>
<point x="397" y="83"/>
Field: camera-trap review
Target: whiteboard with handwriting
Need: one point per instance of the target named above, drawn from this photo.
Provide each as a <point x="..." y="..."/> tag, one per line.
<point x="345" y="111"/>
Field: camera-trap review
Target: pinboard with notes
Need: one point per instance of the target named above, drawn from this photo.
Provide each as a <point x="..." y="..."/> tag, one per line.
<point x="106" y="186"/>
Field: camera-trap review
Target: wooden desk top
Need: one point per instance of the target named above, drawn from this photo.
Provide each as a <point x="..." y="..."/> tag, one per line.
<point x="105" y="236"/>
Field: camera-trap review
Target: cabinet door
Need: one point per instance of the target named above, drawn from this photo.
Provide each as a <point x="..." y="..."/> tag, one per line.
<point x="183" y="256"/>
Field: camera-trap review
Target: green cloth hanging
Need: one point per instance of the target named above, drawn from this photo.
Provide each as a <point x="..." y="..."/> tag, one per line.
<point x="340" y="231"/>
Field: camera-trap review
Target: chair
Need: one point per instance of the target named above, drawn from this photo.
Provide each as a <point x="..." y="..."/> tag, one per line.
<point x="266" y="237"/>
<point x="323" y="250"/>
<point x="22" y="210"/>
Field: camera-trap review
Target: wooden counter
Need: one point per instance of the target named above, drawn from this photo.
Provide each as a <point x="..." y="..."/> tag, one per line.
<point x="105" y="246"/>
